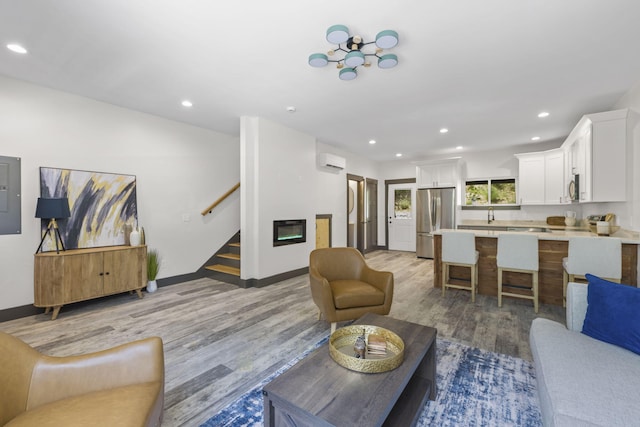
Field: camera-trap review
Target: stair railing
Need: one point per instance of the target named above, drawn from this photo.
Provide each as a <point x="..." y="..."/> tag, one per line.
<point x="220" y="200"/>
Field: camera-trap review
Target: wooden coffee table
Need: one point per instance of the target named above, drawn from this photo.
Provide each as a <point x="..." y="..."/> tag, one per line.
<point x="319" y="392"/>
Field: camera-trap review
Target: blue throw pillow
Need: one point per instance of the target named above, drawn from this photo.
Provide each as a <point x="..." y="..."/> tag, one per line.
<point x="613" y="313"/>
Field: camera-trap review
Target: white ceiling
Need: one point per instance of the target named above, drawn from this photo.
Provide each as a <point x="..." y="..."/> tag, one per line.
<point x="483" y="69"/>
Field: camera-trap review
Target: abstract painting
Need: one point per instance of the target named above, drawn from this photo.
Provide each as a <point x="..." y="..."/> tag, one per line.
<point x="103" y="206"/>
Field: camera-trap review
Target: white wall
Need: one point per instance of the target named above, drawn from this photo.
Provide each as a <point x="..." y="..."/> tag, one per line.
<point x="631" y="100"/>
<point x="397" y="169"/>
<point x="482" y="165"/>
<point x="180" y="170"/>
<point x="504" y="164"/>
<point x="331" y="194"/>
<point x="279" y="177"/>
<point x="332" y="191"/>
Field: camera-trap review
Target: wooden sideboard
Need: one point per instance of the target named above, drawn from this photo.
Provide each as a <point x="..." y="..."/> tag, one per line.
<point x="83" y="274"/>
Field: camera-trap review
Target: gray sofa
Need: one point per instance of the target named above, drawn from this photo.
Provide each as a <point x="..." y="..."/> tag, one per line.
<point x="583" y="381"/>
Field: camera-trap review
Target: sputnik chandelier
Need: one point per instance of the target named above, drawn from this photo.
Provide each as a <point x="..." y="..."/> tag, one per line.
<point x="349" y="54"/>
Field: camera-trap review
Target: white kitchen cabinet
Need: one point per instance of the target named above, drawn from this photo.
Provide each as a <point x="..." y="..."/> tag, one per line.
<point x="578" y="148"/>
<point x="583" y="166"/>
<point x="531" y="179"/>
<point x="541" y="177"/>
<point x="594" y="155"/>
<point x="568" y="173"/>
<point x="554" y="187"/>
<point x="608" y="158"/>
<point x="597" y="150"/>
<point x="437" y="174"/>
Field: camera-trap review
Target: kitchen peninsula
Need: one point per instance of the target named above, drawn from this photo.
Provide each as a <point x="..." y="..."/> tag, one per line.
<point x="553" y="245"/>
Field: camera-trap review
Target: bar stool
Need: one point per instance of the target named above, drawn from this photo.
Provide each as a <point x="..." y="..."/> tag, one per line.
<point x="518" y="253"/>
<point x="459" y="249"/>
<point x="600" y="256"/>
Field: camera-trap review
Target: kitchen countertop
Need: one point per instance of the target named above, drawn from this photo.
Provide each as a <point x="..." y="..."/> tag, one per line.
<point x="556" y="232"/>
<point x="552" y="249"/>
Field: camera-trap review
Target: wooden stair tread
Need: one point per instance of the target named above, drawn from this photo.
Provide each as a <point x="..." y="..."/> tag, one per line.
<point x="230" y="256"/>
<point x="236" y="245"/>
<point x="224" y="269"/>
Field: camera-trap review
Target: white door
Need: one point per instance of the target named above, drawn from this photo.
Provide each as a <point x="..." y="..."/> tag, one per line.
<point x="402" y="217"/>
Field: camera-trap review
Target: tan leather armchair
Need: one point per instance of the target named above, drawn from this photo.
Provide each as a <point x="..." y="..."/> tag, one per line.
<point x="344" y="287"/>
<point x="123" y="386"/>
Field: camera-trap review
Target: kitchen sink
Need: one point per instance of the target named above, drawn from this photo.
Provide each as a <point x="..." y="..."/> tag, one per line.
<point x="530" y="229"/>
<point x="499" y="228"/>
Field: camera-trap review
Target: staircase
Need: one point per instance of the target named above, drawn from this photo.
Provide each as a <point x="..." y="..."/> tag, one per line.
<point x="225" y="264"/>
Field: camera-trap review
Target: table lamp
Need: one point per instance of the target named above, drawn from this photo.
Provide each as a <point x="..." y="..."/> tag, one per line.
<point x="52" y="209"/>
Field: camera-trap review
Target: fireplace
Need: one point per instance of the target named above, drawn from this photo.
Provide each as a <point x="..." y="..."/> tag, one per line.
<point x="288" y="232"/>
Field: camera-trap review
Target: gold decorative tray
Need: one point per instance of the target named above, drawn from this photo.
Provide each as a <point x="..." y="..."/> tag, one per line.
<point x="341" y="349"/>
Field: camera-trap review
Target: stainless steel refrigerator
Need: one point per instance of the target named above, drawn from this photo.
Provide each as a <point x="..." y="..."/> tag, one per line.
<point x="435" y="210"/>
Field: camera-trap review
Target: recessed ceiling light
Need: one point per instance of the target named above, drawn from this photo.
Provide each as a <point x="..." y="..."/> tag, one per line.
<point x="398" y="154"/>
<point x="16" y="48"/>
<point x="187" y="103"/>
<point x="459" y="147"/>
<point x="535" y="138"/>
<point x="444" y="130"/>
<point x="291" y="109"/>
<point x="372" y="141"/>
<point x="543" y="114"/>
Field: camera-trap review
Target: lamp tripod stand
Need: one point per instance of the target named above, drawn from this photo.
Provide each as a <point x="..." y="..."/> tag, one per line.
<point x="53" y="224"/>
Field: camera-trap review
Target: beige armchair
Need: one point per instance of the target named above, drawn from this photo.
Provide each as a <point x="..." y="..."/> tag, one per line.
<point x="123" y="386"/>
<point x="345" y="288"/>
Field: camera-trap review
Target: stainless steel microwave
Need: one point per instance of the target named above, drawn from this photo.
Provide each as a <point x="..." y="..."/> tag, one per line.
<point x="574" y="188"/>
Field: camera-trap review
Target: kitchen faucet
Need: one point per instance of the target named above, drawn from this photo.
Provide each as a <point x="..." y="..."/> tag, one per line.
<point x="490" y="216"/>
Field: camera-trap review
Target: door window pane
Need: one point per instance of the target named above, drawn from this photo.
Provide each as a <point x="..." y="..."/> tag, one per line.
<point x="402" y="204"/>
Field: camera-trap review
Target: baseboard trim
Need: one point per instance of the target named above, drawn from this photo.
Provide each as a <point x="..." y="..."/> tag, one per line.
<point x="181" y="278"/>
<point x="19" y="312"/>
<point x="260" y="283"/>
<point x="243" y="283"/>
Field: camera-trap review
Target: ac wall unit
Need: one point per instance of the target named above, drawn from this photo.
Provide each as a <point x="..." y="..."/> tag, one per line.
<point x="332" y="161"/>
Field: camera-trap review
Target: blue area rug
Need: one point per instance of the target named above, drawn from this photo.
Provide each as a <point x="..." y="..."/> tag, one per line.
<point x="475" y="388"/>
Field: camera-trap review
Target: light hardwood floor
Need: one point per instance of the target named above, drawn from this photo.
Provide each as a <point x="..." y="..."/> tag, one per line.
<point x="220" y="340"/>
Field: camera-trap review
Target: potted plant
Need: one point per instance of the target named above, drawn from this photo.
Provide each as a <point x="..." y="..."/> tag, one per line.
<point x="153" y="266"/>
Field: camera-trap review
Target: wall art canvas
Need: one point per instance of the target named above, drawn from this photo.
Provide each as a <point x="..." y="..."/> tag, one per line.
<point x="103" y="207"/>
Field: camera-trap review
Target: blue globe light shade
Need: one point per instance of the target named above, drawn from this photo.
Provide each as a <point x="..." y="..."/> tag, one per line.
<point x="387" y="61"/>
<point x="387" y="39"/>
<point x="318" y="60"/>
<point x="337" y="34"/>
<point x="347" y="74"/>
<point x="354" y="59"/>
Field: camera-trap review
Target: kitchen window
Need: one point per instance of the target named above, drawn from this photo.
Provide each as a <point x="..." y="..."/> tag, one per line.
<point x="490" y="192"/>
